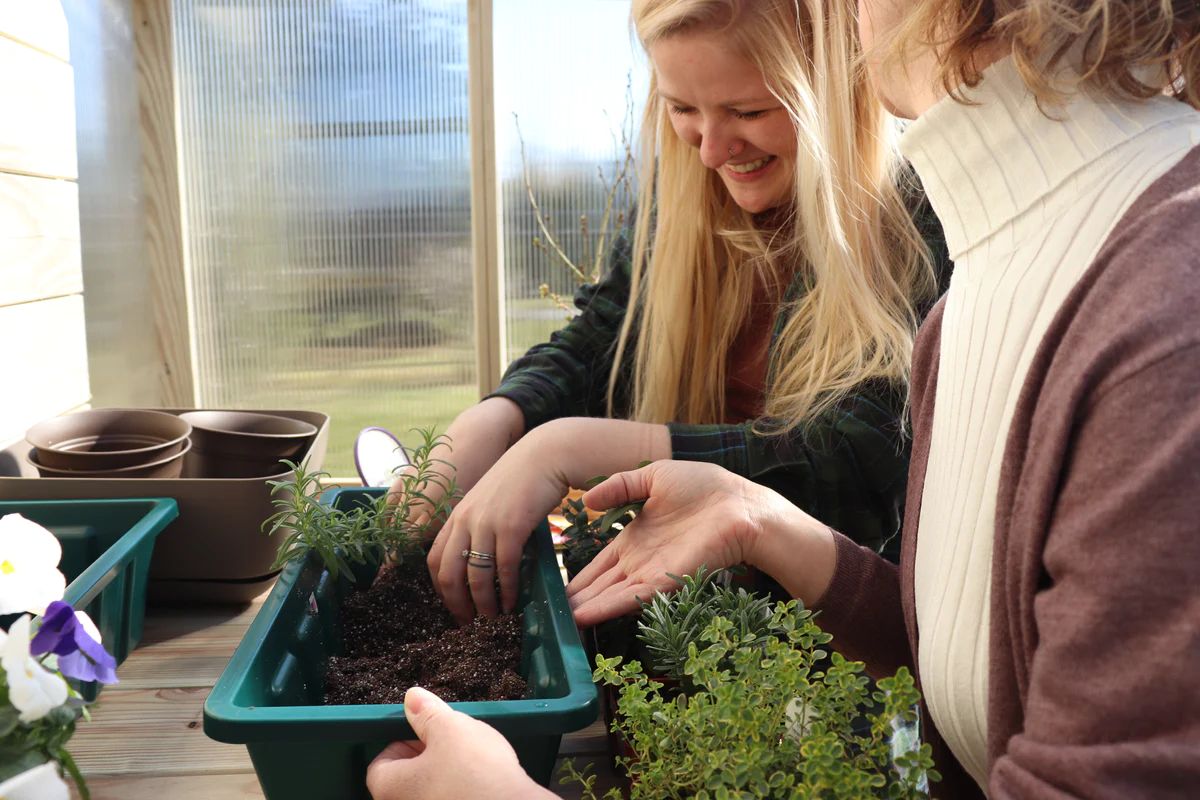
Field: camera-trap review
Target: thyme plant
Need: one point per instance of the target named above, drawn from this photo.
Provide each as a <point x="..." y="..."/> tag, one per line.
<point x="765" y="719"/>
<point x="373" y="531"/>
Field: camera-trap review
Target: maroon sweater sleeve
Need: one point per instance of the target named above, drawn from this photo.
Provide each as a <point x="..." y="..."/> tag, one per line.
<point x="1114" y="685"/>
<point x="1105" y="532"/>
<point x="861" y="609"/>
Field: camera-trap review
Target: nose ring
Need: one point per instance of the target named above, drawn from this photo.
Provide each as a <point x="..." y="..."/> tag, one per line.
<point x="733" y="149"/>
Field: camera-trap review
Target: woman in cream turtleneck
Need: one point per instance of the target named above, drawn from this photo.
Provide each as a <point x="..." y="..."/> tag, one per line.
<point x="1048" y="594"/>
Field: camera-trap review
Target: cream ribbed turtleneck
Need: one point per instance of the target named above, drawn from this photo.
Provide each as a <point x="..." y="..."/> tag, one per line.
<point x="1026" y="202"/>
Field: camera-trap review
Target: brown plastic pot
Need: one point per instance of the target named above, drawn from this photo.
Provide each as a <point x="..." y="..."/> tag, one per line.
<point x="102" y="439"/>
<point x="169" y="467"/>
<point x="244" y="444"/>
<point x="215" y="552"/>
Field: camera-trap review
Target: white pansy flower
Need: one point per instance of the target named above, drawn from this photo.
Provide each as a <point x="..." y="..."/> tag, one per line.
<point x="40" y="783"/>
<point x="29" y="576"/>
<point x="31" y="688"/>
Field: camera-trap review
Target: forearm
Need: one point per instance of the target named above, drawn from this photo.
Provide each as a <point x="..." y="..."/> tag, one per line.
<point x="581" y="448"/>
<point x="793" y="548"/>
<point x="479" y="436"/>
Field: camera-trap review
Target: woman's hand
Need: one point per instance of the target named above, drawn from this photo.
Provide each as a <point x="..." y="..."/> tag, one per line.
<point x="476" y="440"/>
<point x="527" y="483"/>
<point x="496" y="518"/>
<point x="455" y="757"/>
<point x="696" y="514"/>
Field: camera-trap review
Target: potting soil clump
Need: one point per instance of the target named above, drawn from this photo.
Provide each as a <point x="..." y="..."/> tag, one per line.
<point x="398" y="635"/>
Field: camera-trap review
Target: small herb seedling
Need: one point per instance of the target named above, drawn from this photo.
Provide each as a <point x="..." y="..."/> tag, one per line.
<point x="372" y="531"/>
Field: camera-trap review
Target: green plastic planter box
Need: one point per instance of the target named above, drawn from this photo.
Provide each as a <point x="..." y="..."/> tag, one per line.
<point x="106" y="560"/>
<point x="268" y="696"/>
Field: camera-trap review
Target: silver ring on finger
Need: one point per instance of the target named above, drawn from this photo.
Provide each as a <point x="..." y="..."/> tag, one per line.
<point x="478" y="559"/>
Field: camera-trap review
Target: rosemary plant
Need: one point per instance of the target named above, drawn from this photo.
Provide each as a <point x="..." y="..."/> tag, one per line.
<point x="381" y="529"/>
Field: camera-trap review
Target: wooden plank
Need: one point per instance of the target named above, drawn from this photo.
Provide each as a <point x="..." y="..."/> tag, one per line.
<point x="39" y="239"/>
<point x="233" y="786"/>
<point x="244" y="786"/>
<point x="43" y="363"/>
<point x="186" y="648"/>
<point x="36" y="23"/>
<point x="152" y="732"/>
<point x="160" y="177"/>
<point x="589" y="741"/>
<point x="37" y="113"/>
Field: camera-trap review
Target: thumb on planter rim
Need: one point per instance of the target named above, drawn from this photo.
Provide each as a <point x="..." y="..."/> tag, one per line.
<point x="422" y="707"/>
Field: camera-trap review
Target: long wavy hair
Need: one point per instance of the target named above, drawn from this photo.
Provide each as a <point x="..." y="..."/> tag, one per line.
<point x="1132" y="49"/>
<point x="846" y="231"/>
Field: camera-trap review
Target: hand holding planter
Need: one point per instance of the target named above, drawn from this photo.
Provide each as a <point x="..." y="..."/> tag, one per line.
<point x="455" y="757"/>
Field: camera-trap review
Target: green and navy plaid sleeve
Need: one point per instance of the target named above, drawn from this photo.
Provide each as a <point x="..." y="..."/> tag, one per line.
<point x="847" y="469"/>
<point x="568" y="376"/>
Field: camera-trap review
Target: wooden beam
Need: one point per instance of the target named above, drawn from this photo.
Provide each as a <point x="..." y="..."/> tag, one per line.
<point x="39" y="239"/>
<point x="38" y="24"/>
<point x="37" y="112"/>
<point x="164" y="220"/>
<point x="485" y="200"/>
<point x="43" y="365"/>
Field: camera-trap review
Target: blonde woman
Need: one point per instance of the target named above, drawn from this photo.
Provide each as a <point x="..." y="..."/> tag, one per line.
<point x="759" y="316"/>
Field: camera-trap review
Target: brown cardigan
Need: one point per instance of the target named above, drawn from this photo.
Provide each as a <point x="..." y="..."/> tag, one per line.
<point x="1094" y="680"/>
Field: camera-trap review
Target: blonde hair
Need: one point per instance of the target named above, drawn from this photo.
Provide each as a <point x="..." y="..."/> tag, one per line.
<point x="1126" y="48"/>
<point x="848" y="234"/>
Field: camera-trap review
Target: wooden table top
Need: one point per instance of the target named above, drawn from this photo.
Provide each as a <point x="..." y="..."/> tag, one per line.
<point x="146" y="739"/>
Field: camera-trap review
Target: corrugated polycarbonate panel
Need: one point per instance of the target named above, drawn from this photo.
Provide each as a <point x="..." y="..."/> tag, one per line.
<point x="325" y="172"/>
<point x="570" y="74"/>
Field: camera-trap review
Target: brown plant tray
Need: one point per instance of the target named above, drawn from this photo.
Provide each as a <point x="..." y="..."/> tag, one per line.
<point x="216" y="550"/>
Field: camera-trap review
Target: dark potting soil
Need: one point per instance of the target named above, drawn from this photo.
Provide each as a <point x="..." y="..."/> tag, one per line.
<point x="397" y="634"/>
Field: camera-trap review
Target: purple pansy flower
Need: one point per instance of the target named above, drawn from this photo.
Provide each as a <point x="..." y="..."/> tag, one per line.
<point x="79" y="655"/>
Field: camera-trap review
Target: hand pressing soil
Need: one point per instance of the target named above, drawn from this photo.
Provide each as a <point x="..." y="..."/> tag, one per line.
<point x="397" y="634"/>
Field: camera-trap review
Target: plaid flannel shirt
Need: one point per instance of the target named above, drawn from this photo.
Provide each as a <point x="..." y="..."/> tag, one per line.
<point x="848" y="468"/>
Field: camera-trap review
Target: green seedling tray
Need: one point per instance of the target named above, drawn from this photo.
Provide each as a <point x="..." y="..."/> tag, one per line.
<point x="106" y="546"/>
<point x="268" y="696"/>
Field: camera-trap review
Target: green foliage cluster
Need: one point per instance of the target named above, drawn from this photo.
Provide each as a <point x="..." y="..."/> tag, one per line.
<point x="670" y="623"/>
<point x="764" y="719"/>
<point x="367" y="533"/>
<point x="25" y="745"/>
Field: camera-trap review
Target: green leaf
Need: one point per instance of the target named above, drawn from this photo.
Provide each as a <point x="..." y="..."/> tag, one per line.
<point x="9" y="719"/>
<point x="13" y="763"/>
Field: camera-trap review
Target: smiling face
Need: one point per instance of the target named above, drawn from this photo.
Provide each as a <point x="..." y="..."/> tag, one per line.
<point x="719" y="104"/>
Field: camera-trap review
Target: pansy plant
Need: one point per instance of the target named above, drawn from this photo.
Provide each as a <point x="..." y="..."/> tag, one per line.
<point x="38" y="708"/>
<point x="29" y="576"/>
